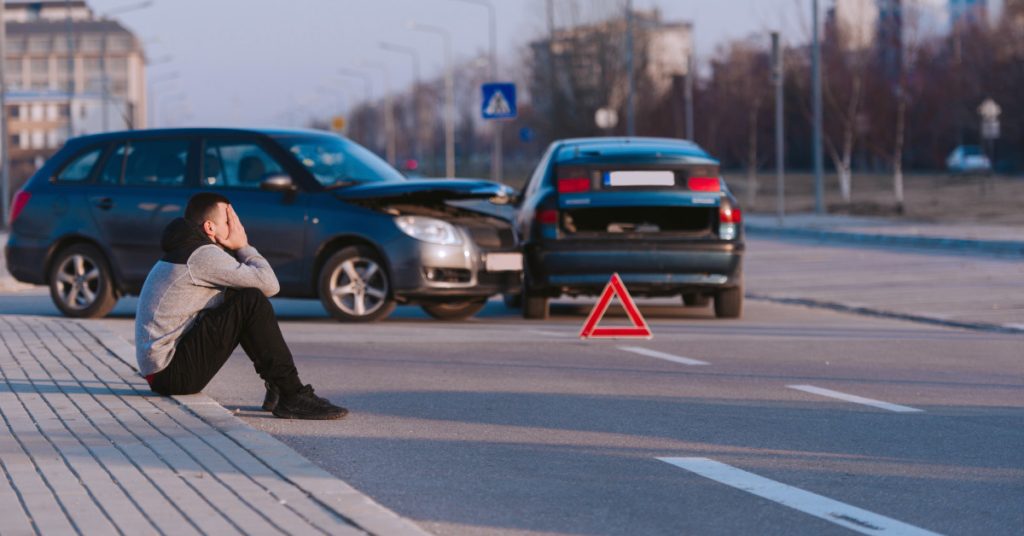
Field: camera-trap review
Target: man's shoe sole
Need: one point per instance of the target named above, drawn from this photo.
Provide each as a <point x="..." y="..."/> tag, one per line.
<point x="283" y="414"/>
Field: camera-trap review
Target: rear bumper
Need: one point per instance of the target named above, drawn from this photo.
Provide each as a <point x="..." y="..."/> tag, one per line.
<point x="645" y="268"/>
<point x="26" y="259"/>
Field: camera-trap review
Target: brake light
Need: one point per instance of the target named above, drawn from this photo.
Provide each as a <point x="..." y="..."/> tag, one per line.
<point x="727" y="214"/>
<point x="20" y="200"/>
<point x="573" y="185"/>
<point x="704" y="184"/>
<point x="547" y="217"/>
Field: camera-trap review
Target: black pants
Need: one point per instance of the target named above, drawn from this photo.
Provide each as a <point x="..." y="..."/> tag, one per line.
<point x="245" y="317"/>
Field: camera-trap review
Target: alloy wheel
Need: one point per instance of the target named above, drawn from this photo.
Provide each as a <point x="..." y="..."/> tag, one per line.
<point x="358" y="286"/>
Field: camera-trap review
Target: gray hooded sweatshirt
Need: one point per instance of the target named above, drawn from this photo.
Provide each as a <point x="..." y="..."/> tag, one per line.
<point x="191" y="277"/>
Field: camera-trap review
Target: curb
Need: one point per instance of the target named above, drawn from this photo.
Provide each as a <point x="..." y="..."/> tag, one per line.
<point x="993" y="247"/>
<point x="326" y="489"/>
<point x="868" y="311"/>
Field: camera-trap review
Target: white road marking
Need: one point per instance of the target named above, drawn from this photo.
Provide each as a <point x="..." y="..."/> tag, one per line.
<point x="663" y="355"/>
<point x="851" y="517"/>
<point x="855" y="399"/>
<point x="550" y="333"/>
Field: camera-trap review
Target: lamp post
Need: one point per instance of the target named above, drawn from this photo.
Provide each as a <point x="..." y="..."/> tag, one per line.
<point x="389" y="112"/>
<point x="411" y="53"/>
<point x="819" y="157"/>
<point x="104" y="78"/>
<point x="496" y="148"/>
<point x="449" y="94"/>
<point x="5" y="159"/>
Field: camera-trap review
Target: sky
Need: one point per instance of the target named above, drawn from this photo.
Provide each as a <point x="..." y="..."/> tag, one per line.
<point x="275" y="62"/>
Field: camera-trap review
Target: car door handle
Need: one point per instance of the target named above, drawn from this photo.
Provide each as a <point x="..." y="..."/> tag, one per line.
<point x="103" y="203"/>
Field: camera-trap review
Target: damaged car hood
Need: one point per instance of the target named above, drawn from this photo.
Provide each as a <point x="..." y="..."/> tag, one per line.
<point x="428" y="191"/>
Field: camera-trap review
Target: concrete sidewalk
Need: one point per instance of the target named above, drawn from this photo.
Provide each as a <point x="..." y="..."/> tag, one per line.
<point x="86" y="448"/>
<point x="962" y="237"/>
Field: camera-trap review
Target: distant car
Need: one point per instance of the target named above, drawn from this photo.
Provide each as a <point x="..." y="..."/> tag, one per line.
<point x="654" y="210"/>
<point x="968" y="159"/>
<point x="334" y="220"/>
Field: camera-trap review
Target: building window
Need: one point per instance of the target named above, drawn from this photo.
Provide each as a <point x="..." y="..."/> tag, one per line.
<point x="17" y="140"/>
<point x="63" y="110"/>
<point x="14" y="112"/>
<point x="38" y="139"/>
<point x="51" y="112"/>
<point x="36" y="113"/>
<point x="39" y="44"/>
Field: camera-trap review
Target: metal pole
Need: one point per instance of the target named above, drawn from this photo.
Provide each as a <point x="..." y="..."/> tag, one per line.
<point x="630" y="111"/>
<point x="780" y="152"/>
<point x="691" y="73"/>
<point x="819" y="161"/>
<point x="411" y="52"/>
<point x="71" y="69"/>
<point x="449" y="95"/>
<point x="5" y="159"/>
<point x="496" y="124"/>
<point x="104" y="81"/>
<point x="389" y="114"/>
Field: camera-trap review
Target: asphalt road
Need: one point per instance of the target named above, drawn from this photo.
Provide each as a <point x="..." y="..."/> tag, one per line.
<point x="502" y="426"/>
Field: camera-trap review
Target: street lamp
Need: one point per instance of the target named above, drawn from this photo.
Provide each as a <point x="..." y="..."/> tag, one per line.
<point x="389" y="111"/>
<point x="496" y="148"/>
<point x="449" y="93"/>
<point x="411" y="52"/>
<point x="104" y="79"/>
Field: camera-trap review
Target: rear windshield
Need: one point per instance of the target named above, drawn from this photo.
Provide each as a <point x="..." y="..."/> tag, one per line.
<point x="335" y="161"/>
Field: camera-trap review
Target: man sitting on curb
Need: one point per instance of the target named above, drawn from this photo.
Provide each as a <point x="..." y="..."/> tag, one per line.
<point x="207" y="295"/>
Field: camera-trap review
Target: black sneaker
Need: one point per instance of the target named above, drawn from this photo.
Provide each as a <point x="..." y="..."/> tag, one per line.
<point x="273" y="395"/>
<point x="304" y="404"/>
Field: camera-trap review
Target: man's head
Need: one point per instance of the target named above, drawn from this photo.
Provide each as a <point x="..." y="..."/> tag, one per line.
<point x="209" y="211"/>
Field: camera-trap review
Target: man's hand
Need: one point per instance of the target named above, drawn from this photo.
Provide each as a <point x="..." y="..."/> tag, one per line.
<point x="236" y="238"/>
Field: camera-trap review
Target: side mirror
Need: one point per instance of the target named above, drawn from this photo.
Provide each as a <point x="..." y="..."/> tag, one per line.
<point x="278" y="183"/>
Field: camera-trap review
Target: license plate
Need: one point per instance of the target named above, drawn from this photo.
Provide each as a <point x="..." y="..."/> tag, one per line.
<point x="640" y="178"/>
<point x="504" y="262"/>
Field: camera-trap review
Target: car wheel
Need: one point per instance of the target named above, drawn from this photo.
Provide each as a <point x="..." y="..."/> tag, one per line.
<point x="457" y="310"/>
<point x="81" y="284"/>
<point x="354" y="286"/>
<point x="729" y="302"/>
<point x="693" y="299"/>
<point x="536" y="306"/>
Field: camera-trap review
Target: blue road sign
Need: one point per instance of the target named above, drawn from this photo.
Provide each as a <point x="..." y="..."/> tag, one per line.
<point x="499" y="100"/>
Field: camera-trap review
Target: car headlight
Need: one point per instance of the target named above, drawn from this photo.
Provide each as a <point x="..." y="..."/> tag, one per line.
<point x="429" y="230"/>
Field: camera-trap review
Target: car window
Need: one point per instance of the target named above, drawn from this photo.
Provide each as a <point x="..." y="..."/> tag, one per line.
<point x="237" y="164"/>
<point x="80" y="168"/>
<point x="336" y="161"/>
<point x="152" y="162"/>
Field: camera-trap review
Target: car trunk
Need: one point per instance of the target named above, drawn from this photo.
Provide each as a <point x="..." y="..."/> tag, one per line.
<point x="624" y="200"/>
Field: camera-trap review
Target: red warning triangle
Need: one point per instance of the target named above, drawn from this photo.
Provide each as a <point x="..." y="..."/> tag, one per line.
<point x="639" y="329"/>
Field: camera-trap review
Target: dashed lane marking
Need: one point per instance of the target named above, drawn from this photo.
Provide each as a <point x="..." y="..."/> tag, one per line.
<point x="831" y="510"/>
<point x="855" y="399"/>
<point x="662" y="355"/>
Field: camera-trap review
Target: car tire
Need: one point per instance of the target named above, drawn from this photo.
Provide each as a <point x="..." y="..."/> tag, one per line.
<point x="729" y="302"/>
<point x="536" y="307"/>
<point x="81" y="282"/>
<point x="693" y="299"/>
<point x="354" y="286"/>
<point x="455" y="310"/>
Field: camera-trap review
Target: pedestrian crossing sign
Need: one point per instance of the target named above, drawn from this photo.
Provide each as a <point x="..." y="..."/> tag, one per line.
<point x="499" y="100"/>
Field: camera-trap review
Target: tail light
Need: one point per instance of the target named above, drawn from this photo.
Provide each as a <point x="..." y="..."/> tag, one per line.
<point x="547" y="217"/>
<point x="704" y="184"/>
<point x="573" y="180"/>
<point x="20" y="200"/>
<point x="729" y="218"/>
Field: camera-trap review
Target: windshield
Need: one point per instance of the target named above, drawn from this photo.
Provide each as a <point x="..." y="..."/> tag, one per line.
<point x="335" y="161"/>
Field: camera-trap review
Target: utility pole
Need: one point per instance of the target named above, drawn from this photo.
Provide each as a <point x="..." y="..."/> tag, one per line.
<point x="71" y="69"/>
<point x="819" y="162"/>
<point x="496" y="125"/>
<point x="449" y="95"/>
<point x="691" y="73"/>
<point x="5" y="160"/>
<point x="780" y="149"/>
<point x="630" y="110"/>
